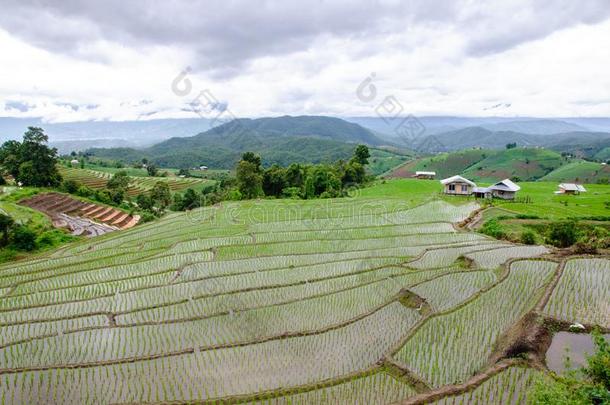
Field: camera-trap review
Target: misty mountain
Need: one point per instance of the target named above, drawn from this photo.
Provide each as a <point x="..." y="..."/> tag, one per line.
<point x="281" y="140"/>
<point x="69" y="136"/>
<point x="427" y="125"/>
<point x="582" y="143"/>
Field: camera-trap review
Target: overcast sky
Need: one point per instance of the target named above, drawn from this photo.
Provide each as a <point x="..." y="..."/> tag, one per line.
<point x="69" y="60"/>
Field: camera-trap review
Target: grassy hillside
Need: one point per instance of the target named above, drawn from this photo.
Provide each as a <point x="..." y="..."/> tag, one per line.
<point x="603" y="154"/>
<point x="580" y="172"/>
<point x="98" y="179"/>
<point x="383" y="160"/>
<point x="522" y="163"/>
<point x="445" y="164"/>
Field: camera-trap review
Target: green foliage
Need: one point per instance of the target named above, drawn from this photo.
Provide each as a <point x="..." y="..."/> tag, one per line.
<point x="70" y="186"/>
<point x="591" y="239"/>
<point x="144" y="202"/>
<point x="528" y="238"/>
<point x="6" y="223"/>
<point x="511" y="145"/>
<point x="23" y="238"/>
<point x="249" y="176"/>
<point x="31" y="162"/>
<point x="161" y="195"/>
<point x="120" y="180"/>
<point x="562" y="233"/>
<point x="362" y="155"/>
<point x="274" y="181"/>
<point x="493" y="228"/>
<point x="152" y="170"/>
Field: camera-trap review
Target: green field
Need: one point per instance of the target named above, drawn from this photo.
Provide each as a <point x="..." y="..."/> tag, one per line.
<point x="546" y="204"/>
<point x="444" y="164"/>
<point x="542" y="199"/>
<point x="365" y="298"/>
<point x="579" y="172"/>
<point x="98" y="179"/>
<point x="382" y="161"/>
<point x="523" y="163"/>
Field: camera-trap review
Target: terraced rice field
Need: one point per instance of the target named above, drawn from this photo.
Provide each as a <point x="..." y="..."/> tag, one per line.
<point x="276" y="302"/>
<point x="97" y="179"/>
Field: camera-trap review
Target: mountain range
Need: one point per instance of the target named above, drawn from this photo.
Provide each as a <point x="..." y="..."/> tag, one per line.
<point x="281" y="140"/>
<point x="290" y="139"/>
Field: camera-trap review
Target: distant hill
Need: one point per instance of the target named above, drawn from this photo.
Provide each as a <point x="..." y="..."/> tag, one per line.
<point x="281" y="140"/>
<point x="579" y="172"/>
<point x="444" y="164"/>
<point x="475" y="137"/>
<point x="580" y="143"/>
<point x="69" y="136"/>
<point x="536" y="127"/>
<point x="526" y="164"/>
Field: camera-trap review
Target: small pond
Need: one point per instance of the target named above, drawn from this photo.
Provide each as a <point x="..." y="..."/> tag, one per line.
<point x="579" y="345"/>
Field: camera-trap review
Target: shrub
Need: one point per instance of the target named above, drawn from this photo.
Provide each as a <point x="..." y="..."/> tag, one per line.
<point x="69" y="186"/>
<point x="84" y="191"/>
<point x="527" y="216"/>
<point x="24" y="238"/>
<point x="493" y="228"/>
<point x="528" y="238"/>
<point x="147" y="216"/>
<point x="562" y="233"/>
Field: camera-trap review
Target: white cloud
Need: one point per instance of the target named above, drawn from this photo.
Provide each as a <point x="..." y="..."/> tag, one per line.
<point x="445" y="60"/>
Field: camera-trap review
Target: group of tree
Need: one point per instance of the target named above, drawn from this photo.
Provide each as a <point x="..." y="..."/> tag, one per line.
<point x="300" y="180"/>
<point x="18" y="236"/>
<point x="31" y="162"/>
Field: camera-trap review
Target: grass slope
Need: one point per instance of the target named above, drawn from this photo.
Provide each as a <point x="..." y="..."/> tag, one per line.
<point x="445" y="164"/>
<point x="579" y="172"/>
<point x="524" y="163"/>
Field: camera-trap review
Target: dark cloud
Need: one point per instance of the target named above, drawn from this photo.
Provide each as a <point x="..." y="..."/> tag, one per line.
<point x="492" y="30"/>
<point x="226" y="34"/>
<point x="16" y="105"/>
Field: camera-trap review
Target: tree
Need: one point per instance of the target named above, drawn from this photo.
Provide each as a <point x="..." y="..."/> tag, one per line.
<point x="562" y="233"/>
<point x="120" y="180"/>
<point x="274" y="181"/>
<point x="70" y="186"/>
<point x="6" y="224"/>
<point x="144" y="202"/>
<point x="24" y="238"/>
<point x="249" y="176"/>
<point x="151" y="170"/>
<point x="252" y="158"/>
<point x="353" y="173"/>
<point x="295" y="175"/>
<point x="31" y="162"/>
<point x="511" y="145"/>
<point x="190" y="200"/>
<point x="161" y="195"/>
<point x="362" y="155"/>
<point x="184" y="172"/>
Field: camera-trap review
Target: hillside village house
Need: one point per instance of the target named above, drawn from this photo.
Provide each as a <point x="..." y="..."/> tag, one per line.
<point x="458" y="185"/>
<point x="504" y="189"/>
<point x="570" y="188"/>
<point x="425" y="175"/>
